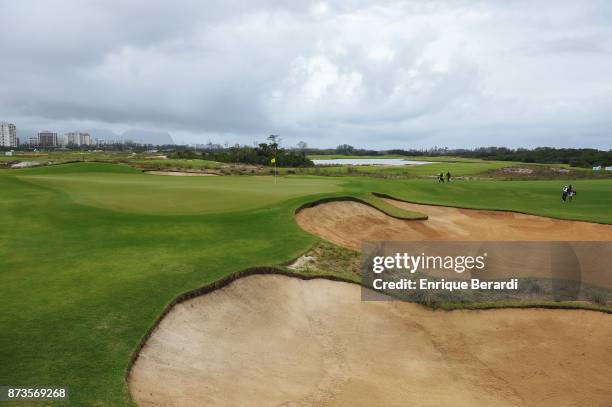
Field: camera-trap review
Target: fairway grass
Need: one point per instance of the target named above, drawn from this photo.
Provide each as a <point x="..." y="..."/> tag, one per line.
<point x="593" y="202"/>
<point x="90" y="254"/>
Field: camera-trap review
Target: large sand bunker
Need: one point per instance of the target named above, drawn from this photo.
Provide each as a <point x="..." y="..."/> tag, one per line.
<point x="270" y="340"/>
<point x="348" y="223"/>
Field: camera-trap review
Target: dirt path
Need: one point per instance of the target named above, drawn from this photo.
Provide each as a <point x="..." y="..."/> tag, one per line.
<point x="280" y="341"/>
<point x="349" y="223"/>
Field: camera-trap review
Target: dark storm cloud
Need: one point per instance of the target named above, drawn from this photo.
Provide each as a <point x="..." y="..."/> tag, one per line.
<point x="376" y="74"/>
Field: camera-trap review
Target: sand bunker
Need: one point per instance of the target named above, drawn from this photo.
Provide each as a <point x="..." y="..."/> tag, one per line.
<point x="349" y="223"/>
<point x="26" y="164"/>
<point x="270" y="340"/>
<point x="182" y="173"/>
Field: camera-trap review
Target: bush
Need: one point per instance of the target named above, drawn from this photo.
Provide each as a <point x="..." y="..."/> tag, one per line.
<point x="598" y="297"/>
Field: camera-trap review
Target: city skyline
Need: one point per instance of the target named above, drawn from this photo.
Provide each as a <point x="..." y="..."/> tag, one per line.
<point x="76" y="138"/>
<point x="53" y="139"/>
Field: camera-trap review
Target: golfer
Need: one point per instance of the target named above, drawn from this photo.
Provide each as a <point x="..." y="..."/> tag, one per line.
<point x="448" y="176"/>
<point x="564" y="193"/>
<point x="441" y="177"/>
<point x="571" y="192"/>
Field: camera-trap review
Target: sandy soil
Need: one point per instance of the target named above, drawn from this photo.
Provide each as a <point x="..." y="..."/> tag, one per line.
<point x="280" y="341"/>
<point x="25" y="164"/>
<point x="301" y="262"/>
<point x="349" y="223"/>
<point x="182" y="174"/>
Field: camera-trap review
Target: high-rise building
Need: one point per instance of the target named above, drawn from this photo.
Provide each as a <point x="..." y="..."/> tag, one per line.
<point x="33" y="141"/>
<point x="8" y="135"/>
<point x="72" y="138"/>
<point x="76" y="138"/>
<point x="47" y="139"/>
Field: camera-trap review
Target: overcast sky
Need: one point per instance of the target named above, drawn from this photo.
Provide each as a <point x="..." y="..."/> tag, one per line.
<point x="373" y="74"/>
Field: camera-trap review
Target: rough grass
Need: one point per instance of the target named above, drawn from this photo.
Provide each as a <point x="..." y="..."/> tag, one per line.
<point x="176" y="164"/>
<point x="522" y="304"/>
<point x="326" y="259"/>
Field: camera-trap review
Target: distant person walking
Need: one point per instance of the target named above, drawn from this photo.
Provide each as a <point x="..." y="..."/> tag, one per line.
<point x="571" y="192"/>
<point x="564" y="193"/>
<point x="448" y="176"/>
<point x="441" y="177"/>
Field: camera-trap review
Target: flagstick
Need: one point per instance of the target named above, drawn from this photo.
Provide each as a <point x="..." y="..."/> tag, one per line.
<point x="275" y="172"/>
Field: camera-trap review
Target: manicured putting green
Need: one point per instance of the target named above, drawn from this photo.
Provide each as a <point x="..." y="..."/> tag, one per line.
<point x="160" y="194"/>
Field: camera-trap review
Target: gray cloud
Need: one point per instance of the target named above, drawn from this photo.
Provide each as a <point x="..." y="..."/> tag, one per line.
<point x="377" y="74"/>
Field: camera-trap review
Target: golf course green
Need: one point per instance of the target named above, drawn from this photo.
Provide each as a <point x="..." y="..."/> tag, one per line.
<point x="130" y="191"/>
<point x="91" y="253"/>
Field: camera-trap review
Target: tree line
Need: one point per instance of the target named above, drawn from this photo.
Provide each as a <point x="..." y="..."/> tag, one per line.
<point x="576" y="157"/>
<point x="261" y="154"/>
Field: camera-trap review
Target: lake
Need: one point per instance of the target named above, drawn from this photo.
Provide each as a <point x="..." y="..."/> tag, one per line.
<point x="369" y="161"/>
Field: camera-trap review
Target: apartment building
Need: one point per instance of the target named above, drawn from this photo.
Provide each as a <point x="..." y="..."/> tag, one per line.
<point x="47" y="139"/>
<point x="76" y="138"/>
<point x="8" y="135"/>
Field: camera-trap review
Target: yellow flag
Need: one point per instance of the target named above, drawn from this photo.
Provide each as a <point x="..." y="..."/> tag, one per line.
<point x="273" y="161"/>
